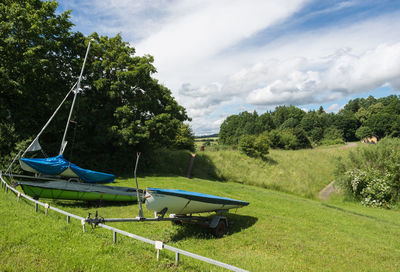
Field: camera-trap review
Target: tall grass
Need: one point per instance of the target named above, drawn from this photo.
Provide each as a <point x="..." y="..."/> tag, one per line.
<point x="301" y="172"/>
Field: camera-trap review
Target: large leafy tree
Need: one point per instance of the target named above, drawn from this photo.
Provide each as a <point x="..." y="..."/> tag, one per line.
<point x="37" y="53"/>
<point x="121" y="109"/>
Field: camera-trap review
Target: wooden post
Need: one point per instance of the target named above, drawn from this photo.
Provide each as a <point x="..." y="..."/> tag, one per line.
<point x="189" y="171"/>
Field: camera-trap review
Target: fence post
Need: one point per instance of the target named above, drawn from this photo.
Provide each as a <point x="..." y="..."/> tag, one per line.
<point x="83" y="225"/>
<point x="46" y="207"/>
<point x="176" y="258"/>
<point x="68" y="219"/>
<point x="114" y="237"/>
<point x="158" y="245"/>
<point x="36" y="207"/>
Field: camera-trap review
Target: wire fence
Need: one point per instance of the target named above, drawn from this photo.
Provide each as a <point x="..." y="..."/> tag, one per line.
<point x="157" y="244"/>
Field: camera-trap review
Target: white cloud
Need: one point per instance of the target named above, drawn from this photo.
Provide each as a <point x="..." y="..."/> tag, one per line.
<point x="329" y="79"/>
<point x="334" y="108"/>
<point x="186" y="46"/>
<point x="204" y="54"/>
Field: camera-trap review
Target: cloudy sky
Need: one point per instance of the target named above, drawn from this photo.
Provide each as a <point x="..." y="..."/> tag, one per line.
<point x="223" y="57"/>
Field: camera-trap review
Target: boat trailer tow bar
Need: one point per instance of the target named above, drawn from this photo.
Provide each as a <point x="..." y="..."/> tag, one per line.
<point x="217" y="223"/>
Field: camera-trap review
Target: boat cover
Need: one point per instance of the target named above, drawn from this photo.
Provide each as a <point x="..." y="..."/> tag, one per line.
<point x="58" y="165"/>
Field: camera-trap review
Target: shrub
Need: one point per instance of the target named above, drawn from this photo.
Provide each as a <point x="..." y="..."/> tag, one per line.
<point x="332" y="136"/>
<point x="373" y="173"/>
<point x="288" y="139"/>
<point x="261" y="144"/>
<point x="246" y="145"/>
<point x="254" y="146"/>
<point x="302" y="139"/>
<point x="370" y="187"/>
<point x="331" y="141"/>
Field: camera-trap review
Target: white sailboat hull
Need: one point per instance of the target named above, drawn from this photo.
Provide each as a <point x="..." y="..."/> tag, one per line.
<point x="181" y="203"/>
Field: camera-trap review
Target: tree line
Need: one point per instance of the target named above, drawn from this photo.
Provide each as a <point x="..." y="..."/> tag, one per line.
<point x="289" y="127"/>
<point x="121" y="110"/>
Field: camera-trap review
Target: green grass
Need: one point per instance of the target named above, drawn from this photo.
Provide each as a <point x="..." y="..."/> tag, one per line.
<point x="301" y="172"/>
<point x="276" y="232"/>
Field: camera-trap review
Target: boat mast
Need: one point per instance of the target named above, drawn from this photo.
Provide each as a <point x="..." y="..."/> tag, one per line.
<point x="137" y="188"/>
<point x="36" y="140"/>
<point x="78" y="87"/>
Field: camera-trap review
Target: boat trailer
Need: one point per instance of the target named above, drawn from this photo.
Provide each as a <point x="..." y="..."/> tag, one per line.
<point x="217" y="223"/>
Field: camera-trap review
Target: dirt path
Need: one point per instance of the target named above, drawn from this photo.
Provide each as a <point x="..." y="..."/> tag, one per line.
<point x="330" y="188"/>
<point x="327" y="191"/>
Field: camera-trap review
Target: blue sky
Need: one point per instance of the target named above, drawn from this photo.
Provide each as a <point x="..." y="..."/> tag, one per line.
<point x="223" y="57"/>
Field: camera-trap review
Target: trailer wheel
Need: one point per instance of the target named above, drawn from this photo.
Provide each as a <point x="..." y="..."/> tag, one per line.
<point x="220" y="229"/>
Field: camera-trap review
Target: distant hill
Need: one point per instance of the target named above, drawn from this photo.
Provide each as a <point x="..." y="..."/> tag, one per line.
<point x="207" y="136"/>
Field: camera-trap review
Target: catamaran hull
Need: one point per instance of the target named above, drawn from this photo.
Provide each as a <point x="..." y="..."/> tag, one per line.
<point x="75" y="191"/>
<point x="184" y="202"/>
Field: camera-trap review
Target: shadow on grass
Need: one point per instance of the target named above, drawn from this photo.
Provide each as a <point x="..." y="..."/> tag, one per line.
<point x="269" y="160"/>
<point x="236" y="223"/>
<point x="359" y="214"/>
<point x="90" y="204"/>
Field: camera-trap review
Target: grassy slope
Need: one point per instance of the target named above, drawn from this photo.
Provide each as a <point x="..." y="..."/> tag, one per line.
<point x="277" y="232"/>
<point x="301" y="172"/>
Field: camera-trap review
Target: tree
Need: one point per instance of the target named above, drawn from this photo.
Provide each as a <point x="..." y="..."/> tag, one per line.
<point x="363" y="132"/>
<point x="283" y="113"/>
<point x="122" y="108"/>
<point x="265" y="122"/>
<point x="184" y="139"/>
<point x="380" y="124"/>
<point x="228" y="130"/>
<point x="348" y="124"/>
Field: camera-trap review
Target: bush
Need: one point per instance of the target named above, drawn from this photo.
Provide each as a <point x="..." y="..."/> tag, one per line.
<point x="246" y="145"/>
<point x="289" y="139"/>
<point x="254" y="146"/>
<point x="363" y="132"/>
<point x="261" y="144"/>
<point x="331" y="141"/>
<point x="369" y="186"/>
<point x="332" y="136"/>
<point x="373" y="173"/>
<point x="302" y="139"/>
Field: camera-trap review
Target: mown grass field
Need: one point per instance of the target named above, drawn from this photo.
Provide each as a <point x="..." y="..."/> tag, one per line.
<point x="276" y="232"/>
